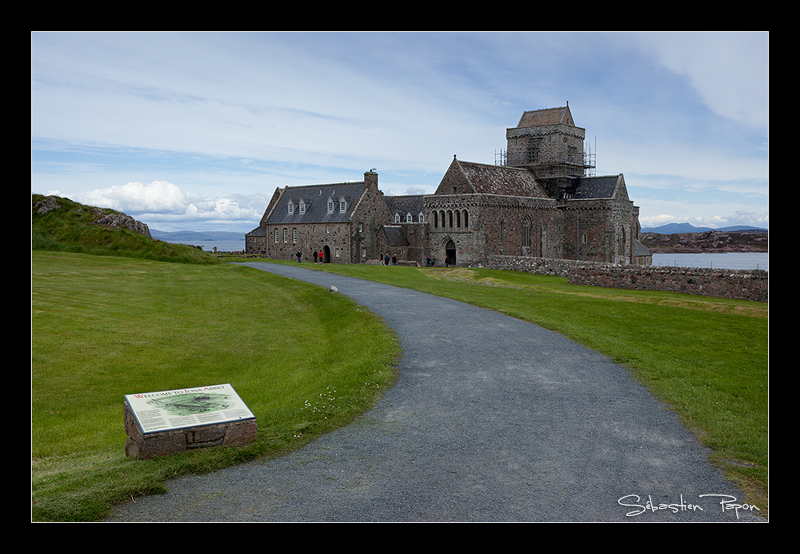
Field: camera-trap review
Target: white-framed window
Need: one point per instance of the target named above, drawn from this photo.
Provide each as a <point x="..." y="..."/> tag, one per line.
<point x="302" y="207"/>
<point x="330" y="205"/>
<point x="421" y="217"/>
<point x="409" y="218"/>
<point x="285" y="235"/>
<point x="294" y="236"/>
<point x="291" y="207"/>
<point x="277" y="235"/>
<point x="342" y="204"/>
<point x="397" y="218"/>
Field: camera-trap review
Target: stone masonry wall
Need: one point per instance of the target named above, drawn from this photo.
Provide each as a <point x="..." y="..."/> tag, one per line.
<point x="721" y="283"/>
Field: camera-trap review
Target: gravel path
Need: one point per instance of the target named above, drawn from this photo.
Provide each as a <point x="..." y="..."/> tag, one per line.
<point x="492" y="419"/>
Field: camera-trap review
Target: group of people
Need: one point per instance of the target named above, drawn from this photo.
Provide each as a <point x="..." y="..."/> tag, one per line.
<point x="319" y="257"/>
<point x="316" y="257"/>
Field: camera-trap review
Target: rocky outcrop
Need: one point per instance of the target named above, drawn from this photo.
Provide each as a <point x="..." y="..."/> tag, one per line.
<point x="101" y="216"/>
<point x="47" y="205"/>
<point x="709" y="241"/>
<point x="117" y="220"/>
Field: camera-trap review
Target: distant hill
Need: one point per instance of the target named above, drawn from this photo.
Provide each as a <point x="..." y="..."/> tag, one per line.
<point x="195" y="236"/>
<point x="735" y="239"/>
<point x="672" y="228"/>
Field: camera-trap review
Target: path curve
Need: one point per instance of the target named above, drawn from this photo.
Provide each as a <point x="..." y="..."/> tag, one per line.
<point x="492" y="419"/>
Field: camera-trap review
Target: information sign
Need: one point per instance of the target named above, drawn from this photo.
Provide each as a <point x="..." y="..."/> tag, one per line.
<point x="191" y="407"/>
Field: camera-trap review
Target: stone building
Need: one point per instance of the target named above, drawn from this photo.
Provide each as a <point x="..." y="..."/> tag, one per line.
<point x="541" y="202"/>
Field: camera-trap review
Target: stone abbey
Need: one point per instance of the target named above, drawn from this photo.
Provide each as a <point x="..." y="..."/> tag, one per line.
<point x="541" y="202"/>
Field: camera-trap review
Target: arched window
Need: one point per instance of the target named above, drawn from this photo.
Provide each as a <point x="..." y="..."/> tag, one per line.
<point x="466" y="219"/>
<point x="435" y="219"/>
<point x="526" y="232"/>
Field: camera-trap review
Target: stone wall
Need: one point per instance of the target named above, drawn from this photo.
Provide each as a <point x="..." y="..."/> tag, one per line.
<point x="540" y="266"/>
<point x="722" y="283"/>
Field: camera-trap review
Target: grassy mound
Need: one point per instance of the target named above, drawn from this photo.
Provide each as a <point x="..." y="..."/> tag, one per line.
<point x="74" y="227"/>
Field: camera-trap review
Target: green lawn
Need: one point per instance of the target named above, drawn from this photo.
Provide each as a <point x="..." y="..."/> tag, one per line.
<point x="305" y="361"/>
<point x="707" y="358"/>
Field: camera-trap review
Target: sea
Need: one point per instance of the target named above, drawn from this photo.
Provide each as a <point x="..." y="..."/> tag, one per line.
<point x="222" y="245"/>
<point x="725" y="260"/>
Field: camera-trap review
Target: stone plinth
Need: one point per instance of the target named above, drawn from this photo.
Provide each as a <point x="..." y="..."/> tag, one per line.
<point x="142" y="445"/>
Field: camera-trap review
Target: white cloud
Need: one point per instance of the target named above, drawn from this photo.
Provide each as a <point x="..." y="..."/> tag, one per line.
<point x="188" y="108"/>
<point x="730" y="71"/>
<point x="163" y="204"/>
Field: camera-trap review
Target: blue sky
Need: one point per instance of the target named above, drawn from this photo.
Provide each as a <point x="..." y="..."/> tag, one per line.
<point x="196" y="130"/>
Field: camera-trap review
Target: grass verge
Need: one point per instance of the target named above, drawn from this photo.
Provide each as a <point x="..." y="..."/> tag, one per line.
<point x="305" y="361"/>
<point x="706" y="358"/>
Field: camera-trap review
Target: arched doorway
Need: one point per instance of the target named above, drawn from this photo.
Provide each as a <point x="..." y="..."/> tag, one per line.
<point x="326" y="253"/>
<point x="450" y="252"/>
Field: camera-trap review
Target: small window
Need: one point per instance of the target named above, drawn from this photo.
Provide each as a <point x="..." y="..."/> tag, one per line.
<point x="409" y="218"/>
<point x="285" y="235"/>
<point x="397" y="218"/>
<point x="302" y="207"/>
<point x="294" y="236"/>
<point x="277" y="235"/>
<point x="421" y="218"/>
<point x="342" y="205"/>
<point x="291" y="207"/>
<point x="330" y="205"/>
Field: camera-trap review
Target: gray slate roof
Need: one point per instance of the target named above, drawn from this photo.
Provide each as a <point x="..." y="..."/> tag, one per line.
<point x="589" y="188"/>
<point x="315" y="199"/>
<point x="500" y="179"/>
<point x="403" y="205"/>
<point x="396" y="235"/>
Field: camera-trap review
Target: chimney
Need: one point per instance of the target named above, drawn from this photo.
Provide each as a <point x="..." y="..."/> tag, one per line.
<point x="371" y="180"/>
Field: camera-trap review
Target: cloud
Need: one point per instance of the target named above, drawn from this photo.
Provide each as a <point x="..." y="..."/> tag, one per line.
<point x="248" y="112"/>
<point x="730" y="71"/>
<point x="754" y="219"/>
<point x="162" y="204"/>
